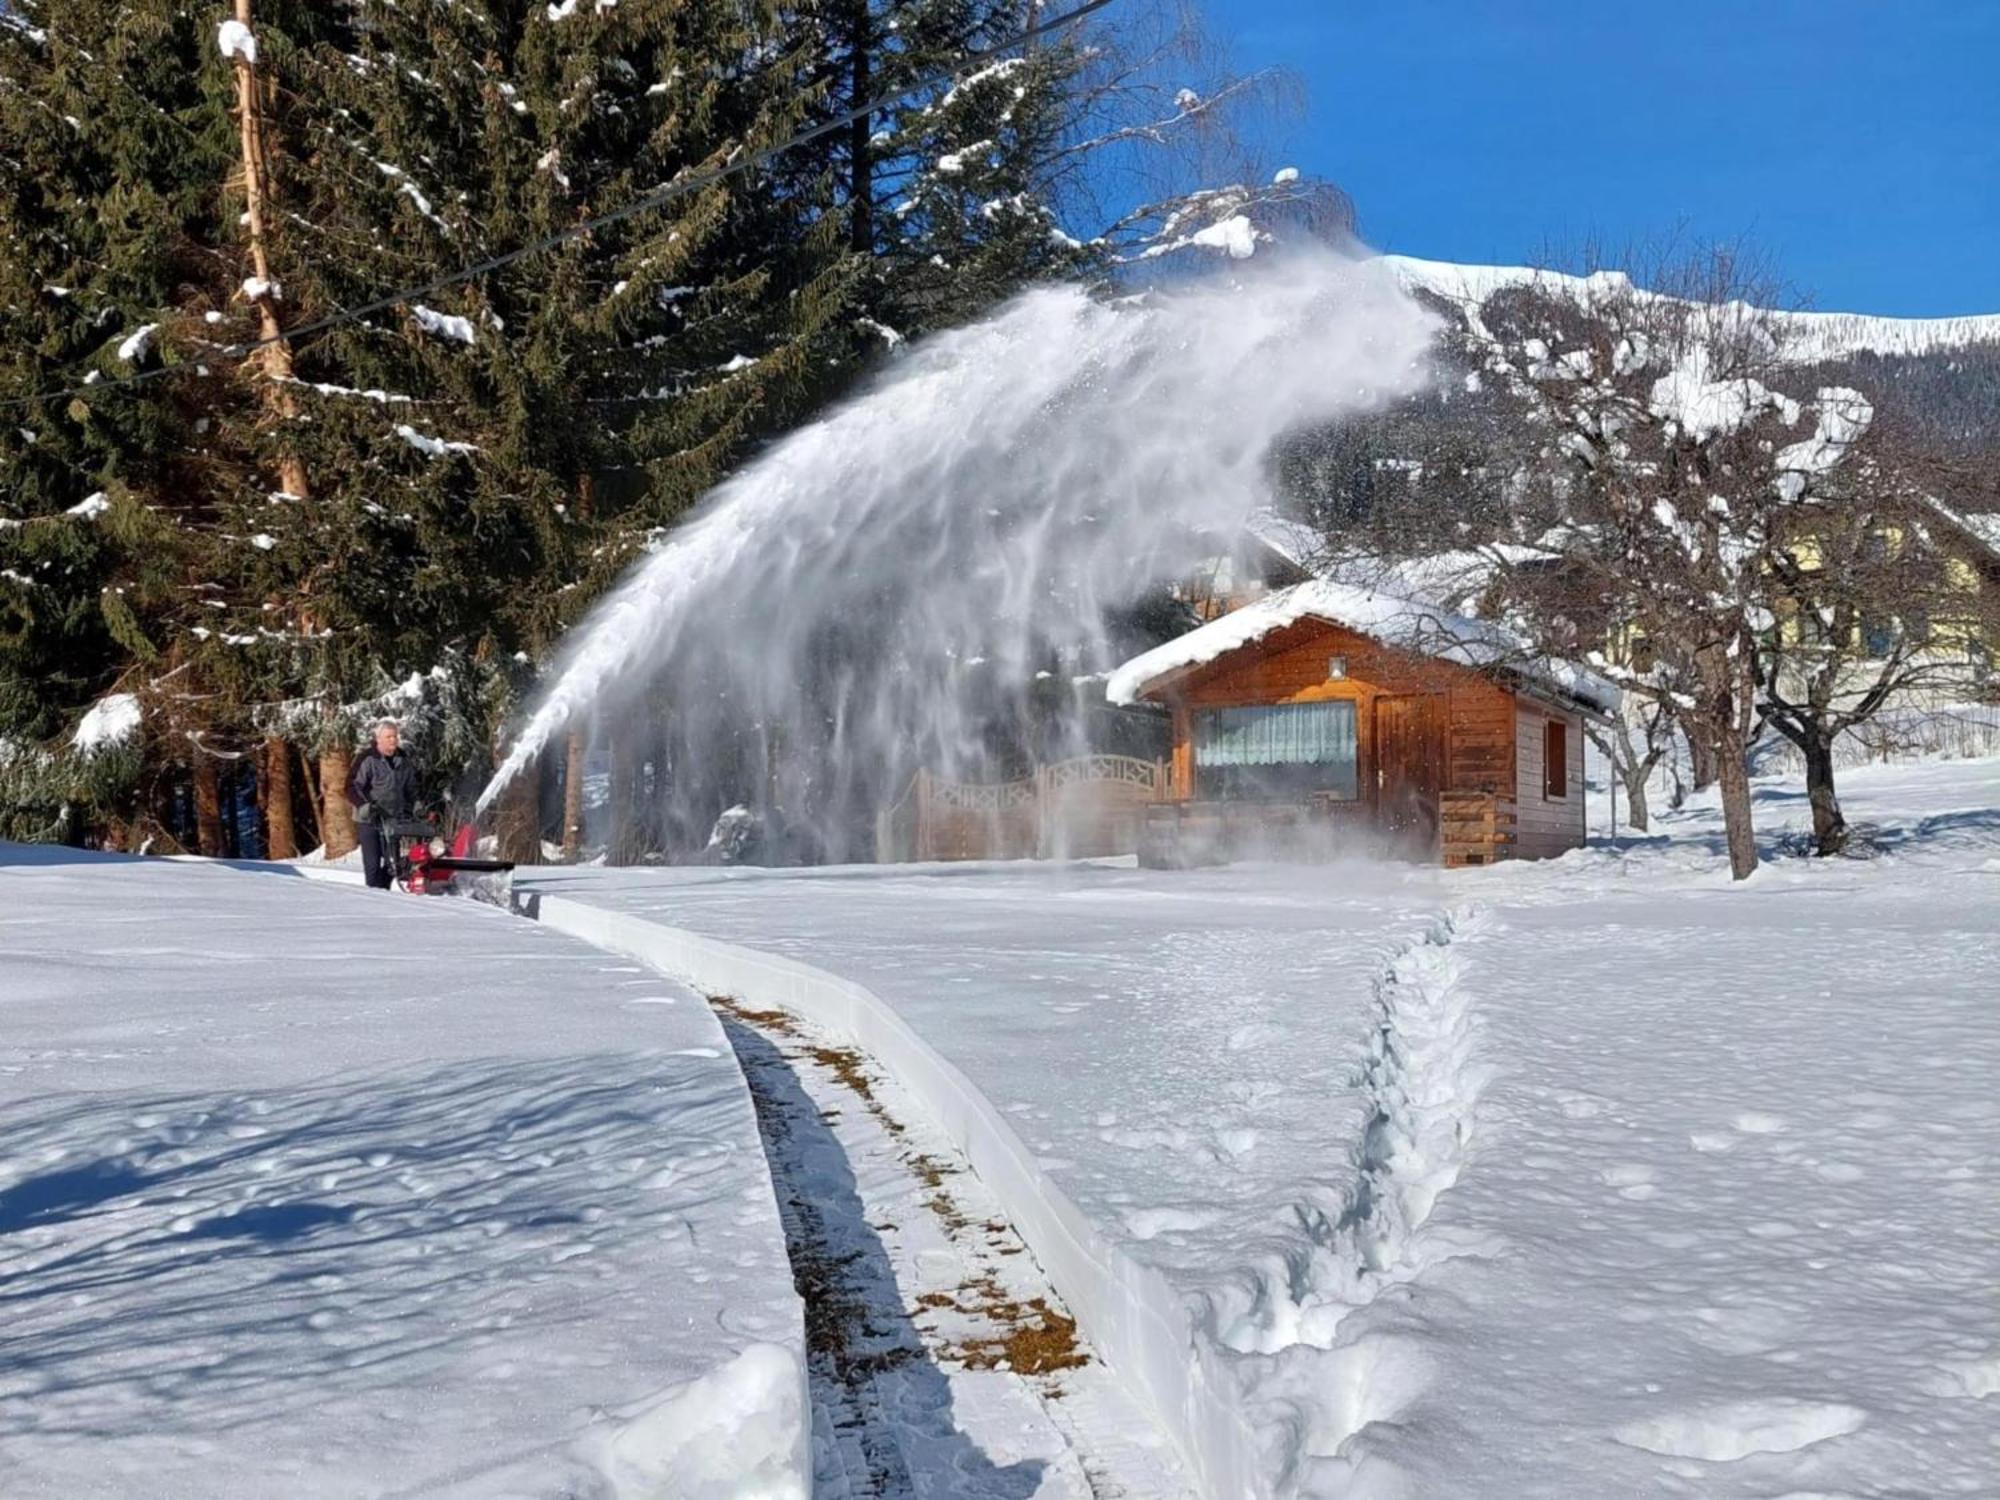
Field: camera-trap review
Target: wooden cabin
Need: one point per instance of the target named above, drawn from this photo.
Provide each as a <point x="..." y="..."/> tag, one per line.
<point x="1327" y="720"/>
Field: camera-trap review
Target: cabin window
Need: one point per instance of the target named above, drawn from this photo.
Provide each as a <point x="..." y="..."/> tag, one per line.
<point x="1283" y="752"/>
<point x="1555" y="759"/>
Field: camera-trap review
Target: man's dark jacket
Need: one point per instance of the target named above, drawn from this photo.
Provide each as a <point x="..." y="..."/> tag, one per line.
<point x="382" y="787"/>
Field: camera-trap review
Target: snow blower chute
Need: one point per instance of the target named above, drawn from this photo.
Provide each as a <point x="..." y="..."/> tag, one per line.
<point x="426" y="864"/>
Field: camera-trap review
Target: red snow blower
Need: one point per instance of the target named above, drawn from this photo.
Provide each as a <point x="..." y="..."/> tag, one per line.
<point x="426" y="864"/>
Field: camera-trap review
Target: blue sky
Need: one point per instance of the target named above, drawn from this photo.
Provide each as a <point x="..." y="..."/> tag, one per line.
<point x="1855" y="142"/>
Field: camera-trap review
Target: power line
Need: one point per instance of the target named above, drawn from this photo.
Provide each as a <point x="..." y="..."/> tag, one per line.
<point x="679" y="188"/>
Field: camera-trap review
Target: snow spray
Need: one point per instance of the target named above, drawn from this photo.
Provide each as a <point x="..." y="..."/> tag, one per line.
<point x="910" y="581"/>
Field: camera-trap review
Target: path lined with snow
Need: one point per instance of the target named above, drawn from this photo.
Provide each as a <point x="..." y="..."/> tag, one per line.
<point x="1622" y="1180"/>
<point x="943" y="1363"/>
<point x="310" y="1190"/>
<point x="1181" y="1059"/>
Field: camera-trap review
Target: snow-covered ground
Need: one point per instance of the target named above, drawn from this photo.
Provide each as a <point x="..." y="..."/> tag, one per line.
<point x="1179" y="1055"/>
<point x="1601" y="1176"/>
<point x="314" y="1191"/>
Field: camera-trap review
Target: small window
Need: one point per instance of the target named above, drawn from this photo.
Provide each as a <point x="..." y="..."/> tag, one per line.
<point x="1555" y="760"/>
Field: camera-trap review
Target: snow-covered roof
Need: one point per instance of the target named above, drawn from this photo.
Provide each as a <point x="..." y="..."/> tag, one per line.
<point x="1813" y="335"/>
<point x="1405" y="624"/>
<point x="1982" y="526"/>
<point x="1297" y="542"/>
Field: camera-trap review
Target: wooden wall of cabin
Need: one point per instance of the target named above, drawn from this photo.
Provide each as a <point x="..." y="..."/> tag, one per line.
<point x="1545" y="825"/>
<point x="1292" y="667"/>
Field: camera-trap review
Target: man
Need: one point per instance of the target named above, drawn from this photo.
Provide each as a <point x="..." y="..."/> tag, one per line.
<point x="382" y="788"/>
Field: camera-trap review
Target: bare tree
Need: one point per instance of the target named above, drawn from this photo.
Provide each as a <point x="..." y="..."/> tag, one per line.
<point x="1660" y="474"/>
<point x="1875" y="606"/>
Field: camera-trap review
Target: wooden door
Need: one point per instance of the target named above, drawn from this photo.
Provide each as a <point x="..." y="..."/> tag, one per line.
<point x="1409" y="772"/>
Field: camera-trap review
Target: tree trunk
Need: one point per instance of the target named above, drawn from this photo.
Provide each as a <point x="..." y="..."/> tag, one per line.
<point x="207" y="806"/>
<point x="1637" y="813"/>
<point x="336" y="814"/>
<point x="1732" y="773"/>
<point x="517" y="820"/>
<point x="572" y="833"/>
<point x="281" y="837"/>
<point x="1616" y="743"/>
<point x="627" y="842"/>
<point x="1702" y="759"/>
<point x="1829" y="823"/>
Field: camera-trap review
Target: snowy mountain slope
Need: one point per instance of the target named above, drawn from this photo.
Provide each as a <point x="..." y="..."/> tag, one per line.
<point x="1620" y="1180"/>
<point x="1815" y="336"/>
<point x="315" y="1191"/>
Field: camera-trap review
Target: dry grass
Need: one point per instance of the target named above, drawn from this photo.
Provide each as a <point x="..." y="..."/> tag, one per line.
<point x="1030" y="1337"/>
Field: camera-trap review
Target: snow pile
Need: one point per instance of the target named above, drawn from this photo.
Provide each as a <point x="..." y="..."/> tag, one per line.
<point x="1405" y="624"/>
<point x="111" y="722"/>
<point x="138" y="343"/>
<point x="443" y="325"/>
<point x="233" y="39"/>
<point x="90" y="507"/>
<point x="729" y="1433"/>
<point x="443" y="1204"/>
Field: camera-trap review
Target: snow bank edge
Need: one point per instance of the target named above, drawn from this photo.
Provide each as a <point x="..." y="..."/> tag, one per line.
<point x="1129" y="1311"/>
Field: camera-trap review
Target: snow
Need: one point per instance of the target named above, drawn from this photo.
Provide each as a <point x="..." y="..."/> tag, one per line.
<point x="1285" y="175"/>
<point x="432" y="447"/>
<point x="256" y="288"/>
<point x="90" y="507"/>
<point x="1844" y="415"/>
<point x="1732" y="1171"/>
<point x="1005" y="68"/>
<point x="1234" y="236"/>
<point x="263" y="541"/>
<point x="1597" y="1176"/>
<point x="1809" y="336"/>
<point x="444" y="325"/>
<point x="233" y="39"/>
<point x="1395" y="621"/>
<point x="110" y="722"/>
<point x="137" y="343"/>
<point x="442" y="1203"/>
<point x="1706" y="407"/>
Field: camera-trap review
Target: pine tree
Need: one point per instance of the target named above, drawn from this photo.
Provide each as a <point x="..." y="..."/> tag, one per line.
<point x="110" y="184"/>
